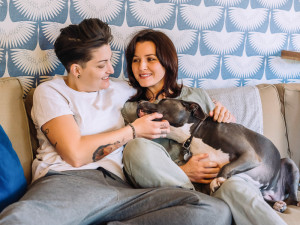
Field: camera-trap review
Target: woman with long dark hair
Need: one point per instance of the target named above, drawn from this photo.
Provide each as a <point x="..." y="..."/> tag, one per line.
<point x="152" y="67"/>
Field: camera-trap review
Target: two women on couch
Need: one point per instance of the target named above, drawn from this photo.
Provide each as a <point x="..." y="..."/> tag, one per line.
<point x="77" y="172"/>
<point x="78" y="175"/>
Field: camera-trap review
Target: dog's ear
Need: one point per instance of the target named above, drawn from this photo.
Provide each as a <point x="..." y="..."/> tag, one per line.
<point x="195" y="109"/>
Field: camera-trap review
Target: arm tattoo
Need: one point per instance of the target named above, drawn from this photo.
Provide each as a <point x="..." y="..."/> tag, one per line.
<point x="46" y="132"/>
<point x="104" y="150"/>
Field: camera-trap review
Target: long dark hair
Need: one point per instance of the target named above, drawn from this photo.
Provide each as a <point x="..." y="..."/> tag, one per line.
<point x="167" y="56"/>
<point x="76" y="42"/>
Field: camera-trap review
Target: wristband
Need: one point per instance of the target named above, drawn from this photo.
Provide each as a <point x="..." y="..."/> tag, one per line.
<point x="133" y="130"/>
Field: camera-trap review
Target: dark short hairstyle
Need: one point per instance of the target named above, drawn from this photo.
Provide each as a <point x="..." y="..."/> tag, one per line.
<point x="167" y="56"/>
<point x="76" y="42"/>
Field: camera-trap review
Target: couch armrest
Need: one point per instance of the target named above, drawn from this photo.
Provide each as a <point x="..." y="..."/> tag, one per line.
<point x="14" y="121"/>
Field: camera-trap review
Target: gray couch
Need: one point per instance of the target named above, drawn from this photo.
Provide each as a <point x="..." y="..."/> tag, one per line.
<point x="281" y="124"/>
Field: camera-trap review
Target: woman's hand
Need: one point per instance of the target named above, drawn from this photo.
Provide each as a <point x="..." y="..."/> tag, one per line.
<point x="147" y="128"/>
<point x="221" y="114"/>
<point x="200" y="171"/>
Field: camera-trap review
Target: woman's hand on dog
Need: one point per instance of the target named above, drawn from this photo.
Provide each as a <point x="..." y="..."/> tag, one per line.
<point x="199" y="170"/>
<point x="147" y="128"/>
<point x="221" y="114"/>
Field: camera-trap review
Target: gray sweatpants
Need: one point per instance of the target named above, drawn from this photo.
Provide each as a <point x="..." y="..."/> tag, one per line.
<point x="100" y="197"/>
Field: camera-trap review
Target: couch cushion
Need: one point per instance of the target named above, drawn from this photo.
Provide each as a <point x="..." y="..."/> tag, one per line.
<point x="291" y="101"/>
<point x="33" y="132"/>
<point x="12" y="180"/>
<point x="14" y="121"/>
<point x="274" y="124"/>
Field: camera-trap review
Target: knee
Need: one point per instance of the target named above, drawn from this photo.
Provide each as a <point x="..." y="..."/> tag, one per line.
<point x="227" y="188"/>
<point x="144" y="149"/>
<point x="230" y="184"/>
<point x="143" y="154"/>
<point x="137" y="153"/>
<point x="135" y="150"/>
<point x="235" y="188"/>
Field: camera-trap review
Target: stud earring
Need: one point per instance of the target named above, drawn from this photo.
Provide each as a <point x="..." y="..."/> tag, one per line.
<point x="78" y="76"/>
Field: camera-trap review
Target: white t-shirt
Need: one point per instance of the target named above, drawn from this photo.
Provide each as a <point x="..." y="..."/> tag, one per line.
<point x="94" y="112"/>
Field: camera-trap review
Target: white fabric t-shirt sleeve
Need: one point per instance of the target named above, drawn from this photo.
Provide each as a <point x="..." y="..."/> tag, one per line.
<point x="48" y="104"/>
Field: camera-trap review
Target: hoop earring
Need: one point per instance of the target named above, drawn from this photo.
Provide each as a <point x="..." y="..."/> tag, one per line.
<point x="78" y="76"/>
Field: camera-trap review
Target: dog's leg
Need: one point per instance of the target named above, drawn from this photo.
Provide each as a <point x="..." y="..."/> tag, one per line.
<point x="286" y="184"/>
<point x="291" y="173"/>
<point x="248" y="160"/>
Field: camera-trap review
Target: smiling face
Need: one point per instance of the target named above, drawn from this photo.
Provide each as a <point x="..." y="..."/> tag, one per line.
<point x="94" y="74"/>
<point x="146" y="67"/>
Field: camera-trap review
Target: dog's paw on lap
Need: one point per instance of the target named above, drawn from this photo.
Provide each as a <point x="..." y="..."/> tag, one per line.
<point x="280" y="206"/>
<point x="216" y="183"/>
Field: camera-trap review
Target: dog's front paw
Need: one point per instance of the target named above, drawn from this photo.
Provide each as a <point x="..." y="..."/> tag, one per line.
<point x="280" y="206"/>
<point x="298" y="204"/>
<point x="216" y="183"/>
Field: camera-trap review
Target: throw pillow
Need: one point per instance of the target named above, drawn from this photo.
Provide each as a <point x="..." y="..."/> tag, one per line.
<point x="12" y="180"/>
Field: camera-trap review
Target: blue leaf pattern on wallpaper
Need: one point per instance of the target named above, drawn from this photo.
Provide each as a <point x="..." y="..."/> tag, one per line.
<point x="201" y="17"/>
<point x="34" y="62"/>
<point x="295" y="41"/>
<point x="286" y="21"/>
<point x="227" y="3"/>
<point x="106" y="10"/>
<point x="2" y="63"/>
<point x="39" y="9"/>
<point x="220" y="43"/>
<point x="150" y="14"/>
<point x="184" y="40"/>
<point x="273" y="4"/>
<point x="15" y="34"/>
<point x="246" y="20"/>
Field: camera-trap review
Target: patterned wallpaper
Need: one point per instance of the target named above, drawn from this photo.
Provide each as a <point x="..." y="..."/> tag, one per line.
<point x="220" y="43"/>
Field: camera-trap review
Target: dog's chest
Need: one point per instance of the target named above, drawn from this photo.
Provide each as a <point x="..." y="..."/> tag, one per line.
<point x="181" y="134"/>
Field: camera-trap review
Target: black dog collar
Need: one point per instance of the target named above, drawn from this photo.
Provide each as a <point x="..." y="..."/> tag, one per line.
<point x="187" y="154"/>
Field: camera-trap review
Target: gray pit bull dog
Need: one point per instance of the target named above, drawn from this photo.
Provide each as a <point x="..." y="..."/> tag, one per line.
<point x="235" y="148"/>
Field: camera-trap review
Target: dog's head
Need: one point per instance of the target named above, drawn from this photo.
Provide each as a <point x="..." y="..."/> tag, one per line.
<point x="177" y="112"/>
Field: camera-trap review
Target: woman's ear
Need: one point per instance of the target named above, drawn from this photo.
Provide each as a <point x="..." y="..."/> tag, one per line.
<point x="75" y="70"/>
